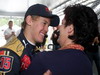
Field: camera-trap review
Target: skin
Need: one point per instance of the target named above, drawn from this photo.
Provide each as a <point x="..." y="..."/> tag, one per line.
<point x="48" y="72"/>
<point x="10" y="25"/>
<point x="63" y="39"/>
<point x="36" y="29"/>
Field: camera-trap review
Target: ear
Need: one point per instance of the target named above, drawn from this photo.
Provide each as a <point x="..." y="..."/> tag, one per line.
<point x="70" y="29"/>
<point x="29" y="20"/>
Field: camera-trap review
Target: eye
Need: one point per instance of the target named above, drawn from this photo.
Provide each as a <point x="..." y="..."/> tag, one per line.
<point x="44" y="23"/>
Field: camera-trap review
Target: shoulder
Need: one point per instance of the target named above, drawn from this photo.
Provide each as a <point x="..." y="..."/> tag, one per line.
<point x="6" y="30"/>
<point x="5" y="52"/>
<point x="15" y="45"/>
<point x="10" y="57"/>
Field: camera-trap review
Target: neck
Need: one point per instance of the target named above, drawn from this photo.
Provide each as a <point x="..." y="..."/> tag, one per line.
<point x="66" y="42"/>
<point x="10" y="28"/>
<point x="70" y="43"/>
<point x="28" y="37"/>
<point x="72" y="46"/>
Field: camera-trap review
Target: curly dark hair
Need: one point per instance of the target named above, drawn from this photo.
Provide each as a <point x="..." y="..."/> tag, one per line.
<point x="85" y="23"/>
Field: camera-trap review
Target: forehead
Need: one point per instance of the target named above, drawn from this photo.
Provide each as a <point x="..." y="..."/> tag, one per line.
<point x="44" y="19"/>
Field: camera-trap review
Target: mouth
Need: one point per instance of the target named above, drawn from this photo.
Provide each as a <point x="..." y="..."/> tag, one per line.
<point x="42" y="34"/>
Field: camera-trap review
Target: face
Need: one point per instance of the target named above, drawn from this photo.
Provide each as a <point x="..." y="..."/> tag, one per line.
<point x="64" y="33"/>
<point x="10" y="24"/>
<point x="38" y="29"/>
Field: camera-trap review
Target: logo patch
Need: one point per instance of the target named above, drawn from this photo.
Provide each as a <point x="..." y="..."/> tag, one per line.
<point x="6" y="63"/>
<point x="25" y="62"/>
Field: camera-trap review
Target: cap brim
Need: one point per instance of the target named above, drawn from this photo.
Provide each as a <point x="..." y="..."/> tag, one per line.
<point x="54" y="21"/>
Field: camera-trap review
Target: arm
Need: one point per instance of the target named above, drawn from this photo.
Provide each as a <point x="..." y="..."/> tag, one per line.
<point x="36" y="67"/>
<point x="8" y="36"/>
<point x="9" y="62"/>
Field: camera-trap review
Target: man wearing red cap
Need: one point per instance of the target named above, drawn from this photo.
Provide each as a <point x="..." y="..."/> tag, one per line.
<point x="16" y="55"/>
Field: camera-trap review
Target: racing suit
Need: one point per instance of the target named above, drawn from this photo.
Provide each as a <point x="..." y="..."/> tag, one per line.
<point x="16" y="55"/>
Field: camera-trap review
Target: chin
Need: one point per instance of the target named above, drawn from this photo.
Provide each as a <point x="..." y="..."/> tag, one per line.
<point x="40" y="41"/>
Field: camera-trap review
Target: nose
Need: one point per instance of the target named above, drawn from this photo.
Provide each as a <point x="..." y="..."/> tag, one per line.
<point x="46" y="28"/>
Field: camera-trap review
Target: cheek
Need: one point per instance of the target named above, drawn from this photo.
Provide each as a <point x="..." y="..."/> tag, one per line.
<point x="33" y="31"/>
<point x="36" y="28"/>
<point x="62" y="37"/>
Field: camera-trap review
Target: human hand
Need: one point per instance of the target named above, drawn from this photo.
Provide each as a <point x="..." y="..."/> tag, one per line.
<point x="48" y="72"/>
<point x="13" y="33"/>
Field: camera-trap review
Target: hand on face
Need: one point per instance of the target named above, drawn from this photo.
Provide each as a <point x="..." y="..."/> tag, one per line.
<point x="13" y="33"/>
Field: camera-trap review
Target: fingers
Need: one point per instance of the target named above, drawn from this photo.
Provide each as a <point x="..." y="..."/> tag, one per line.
<point x="48" y="72"/>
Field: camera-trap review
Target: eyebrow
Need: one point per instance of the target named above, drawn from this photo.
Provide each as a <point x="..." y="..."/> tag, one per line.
<point x="46" y="21"/>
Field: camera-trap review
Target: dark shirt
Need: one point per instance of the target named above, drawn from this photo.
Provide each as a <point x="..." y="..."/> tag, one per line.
<point x="60" y="62"/>
<point x="28" y="48"/>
